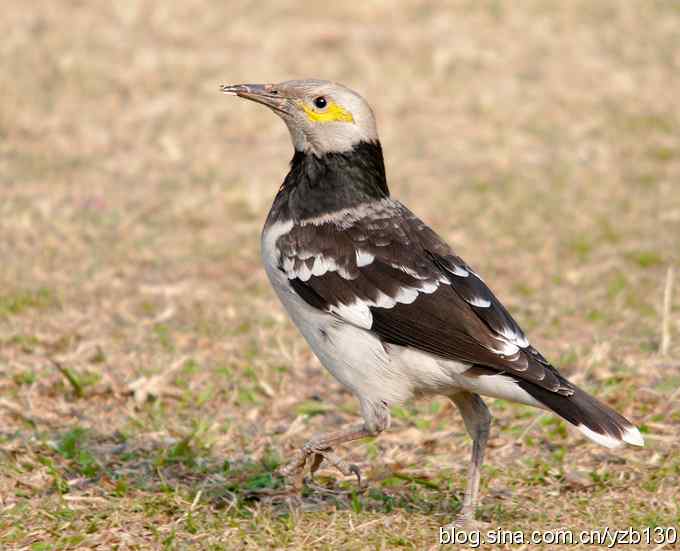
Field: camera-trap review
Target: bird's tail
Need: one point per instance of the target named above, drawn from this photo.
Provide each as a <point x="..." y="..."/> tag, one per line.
<point x="595" y="420"/>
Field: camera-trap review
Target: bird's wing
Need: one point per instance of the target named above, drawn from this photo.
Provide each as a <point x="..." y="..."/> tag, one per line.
<point x="379" y="267"/>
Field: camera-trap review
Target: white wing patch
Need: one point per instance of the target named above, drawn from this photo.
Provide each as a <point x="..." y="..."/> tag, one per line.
<point x="517" y="339"/>
<point x="304" y="273"/>
<point x="323" y="265"/>
<point x="428" y="287"/>
<point x="505" y="348"/>
<point x="460" y="272"/>
<point x="359" y="311"/>
<point x="410" y="271"/>
<point x="364" y="258"/>
<point x="297" y="267"/>
<point x="479" y="302"/>
<point x="288" y="264"/>
<point x="406" y="295"/>
<point x="509" y="341"/>
<point x="356" y="313"/>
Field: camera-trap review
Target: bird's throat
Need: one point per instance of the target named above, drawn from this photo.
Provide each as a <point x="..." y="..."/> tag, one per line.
<point x="317" y="185"/>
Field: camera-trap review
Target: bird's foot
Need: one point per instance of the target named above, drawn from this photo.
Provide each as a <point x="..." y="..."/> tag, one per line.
<point x="338" y="462"/>
<point x="295" y="469"/>
<point x="317" y="454"/>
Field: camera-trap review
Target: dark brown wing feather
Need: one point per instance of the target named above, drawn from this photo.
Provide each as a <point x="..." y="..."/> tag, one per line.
<point x="454" y="316"/>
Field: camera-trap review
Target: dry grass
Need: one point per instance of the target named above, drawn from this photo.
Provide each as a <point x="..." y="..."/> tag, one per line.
<point x="541" y="138"/>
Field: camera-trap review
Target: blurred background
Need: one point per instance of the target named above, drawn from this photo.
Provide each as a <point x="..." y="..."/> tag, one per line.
<point x="150" y="383"/>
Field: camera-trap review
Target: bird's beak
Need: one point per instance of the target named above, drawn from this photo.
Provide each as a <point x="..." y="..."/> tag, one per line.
<point x="266" y="94"/>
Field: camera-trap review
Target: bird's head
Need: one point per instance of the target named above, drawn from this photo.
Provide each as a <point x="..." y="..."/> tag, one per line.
<point x="322" y="116"/>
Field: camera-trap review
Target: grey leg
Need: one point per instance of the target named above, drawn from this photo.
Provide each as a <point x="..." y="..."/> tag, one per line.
<point x="377" y="419"/>
<point x="477" y="420"/>
<point x="320" y="448"/>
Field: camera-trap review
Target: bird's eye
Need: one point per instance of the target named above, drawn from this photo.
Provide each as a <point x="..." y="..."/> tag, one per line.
<point x="320" y="102"/>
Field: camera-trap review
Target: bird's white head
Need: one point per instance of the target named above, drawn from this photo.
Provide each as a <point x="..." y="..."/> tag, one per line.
<point x="322" y="116"/>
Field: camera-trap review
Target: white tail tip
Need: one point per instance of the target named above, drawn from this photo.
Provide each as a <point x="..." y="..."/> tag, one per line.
<point x="631" y="435"/>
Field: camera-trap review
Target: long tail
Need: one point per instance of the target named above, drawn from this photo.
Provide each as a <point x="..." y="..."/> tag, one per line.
<point x="595" y="420"/>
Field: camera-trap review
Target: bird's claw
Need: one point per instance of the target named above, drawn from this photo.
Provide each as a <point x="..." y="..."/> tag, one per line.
<point x="296" y="466"/>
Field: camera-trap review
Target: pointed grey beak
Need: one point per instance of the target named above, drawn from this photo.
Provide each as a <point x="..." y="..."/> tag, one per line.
<point x="266" y="94"/>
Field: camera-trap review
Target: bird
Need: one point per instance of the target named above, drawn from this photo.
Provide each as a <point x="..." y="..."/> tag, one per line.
<point x="383" y="301"/>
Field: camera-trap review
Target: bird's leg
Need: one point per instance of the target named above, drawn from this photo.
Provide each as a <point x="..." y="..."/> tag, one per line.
<point x="376" y="419"/>
<point x="320" y="447"/>
<point x="477" y="420"/>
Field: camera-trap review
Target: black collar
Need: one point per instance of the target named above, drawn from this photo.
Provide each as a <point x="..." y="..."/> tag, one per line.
<point x="317" y="185"/>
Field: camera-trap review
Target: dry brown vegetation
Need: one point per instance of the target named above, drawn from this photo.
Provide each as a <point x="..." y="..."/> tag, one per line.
<point x="150" y="384"/>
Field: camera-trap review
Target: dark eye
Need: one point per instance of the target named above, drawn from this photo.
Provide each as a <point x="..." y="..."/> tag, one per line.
<point x="320" y="102"/>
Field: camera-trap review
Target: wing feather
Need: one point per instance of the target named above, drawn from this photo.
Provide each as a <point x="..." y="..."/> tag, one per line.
<point x="389" y="273"/>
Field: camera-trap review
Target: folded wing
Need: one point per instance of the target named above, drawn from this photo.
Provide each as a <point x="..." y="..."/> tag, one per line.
<point x="387" y="272"/>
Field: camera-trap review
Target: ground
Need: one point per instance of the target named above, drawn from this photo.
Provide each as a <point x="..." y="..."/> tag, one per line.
<point x="150" y="383"/>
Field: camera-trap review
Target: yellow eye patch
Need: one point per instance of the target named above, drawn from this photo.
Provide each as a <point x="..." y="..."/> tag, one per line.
<point x="332" y="113"/>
